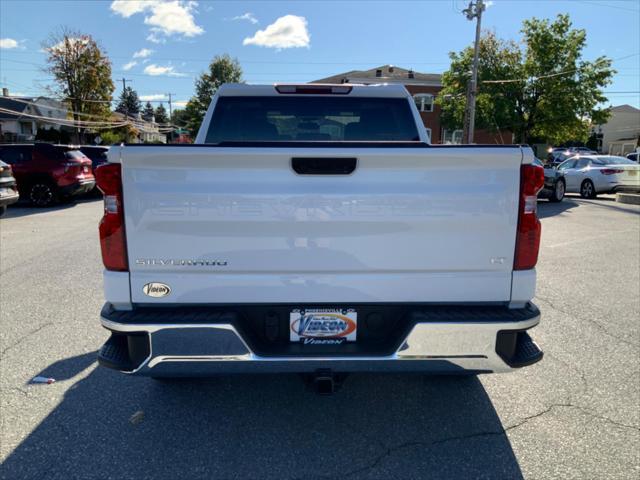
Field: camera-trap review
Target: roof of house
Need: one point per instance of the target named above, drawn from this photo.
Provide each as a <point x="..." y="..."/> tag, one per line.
<point x="625" y="108"/>
<point x="385" y="74"/>
<point x="10" y="104"/>
<point x="31" y="105"/>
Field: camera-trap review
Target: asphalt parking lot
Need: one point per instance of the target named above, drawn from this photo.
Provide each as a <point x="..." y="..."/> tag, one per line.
<point x="574" y="415"/>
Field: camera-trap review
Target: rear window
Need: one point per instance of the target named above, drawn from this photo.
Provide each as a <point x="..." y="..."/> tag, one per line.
<point x="315" y="119"/>
<point x="74" y="155"/>
<point x="612" y="161"/>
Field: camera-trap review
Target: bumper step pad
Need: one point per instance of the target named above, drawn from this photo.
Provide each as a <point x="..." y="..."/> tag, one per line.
<point x="517" y="348"/>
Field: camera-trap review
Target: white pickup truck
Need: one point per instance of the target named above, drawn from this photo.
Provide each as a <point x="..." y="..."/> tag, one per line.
<point x="313" y="228"/>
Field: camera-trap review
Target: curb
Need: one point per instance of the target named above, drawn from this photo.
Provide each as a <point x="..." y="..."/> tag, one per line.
<point x="631" y="198"/>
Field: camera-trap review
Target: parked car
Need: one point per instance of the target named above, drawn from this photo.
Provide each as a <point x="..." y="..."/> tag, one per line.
<point x="557" y="155"/>
<point x="556" y="158"/>
<point x="554" y="183"/>
<point x="593" y="174"/>
<point x="314" y="229"/>
<point x="48" y="173"/>
<point x="8" y="189"/>
<point x="581" y="151"/>
<point x="98" y="156"/>
<point x="633" y="157"/>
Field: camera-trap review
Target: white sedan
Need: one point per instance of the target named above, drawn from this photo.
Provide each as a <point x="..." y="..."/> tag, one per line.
<point x="593" y="174"/>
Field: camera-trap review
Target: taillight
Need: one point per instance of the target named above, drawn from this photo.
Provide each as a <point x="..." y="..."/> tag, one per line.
<point x="112" y="232"/>
<point x="529" y="227"/>
<point x="611" y="171"/>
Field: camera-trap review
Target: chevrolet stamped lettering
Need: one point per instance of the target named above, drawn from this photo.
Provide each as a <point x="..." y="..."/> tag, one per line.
<point x="170" y="262"/>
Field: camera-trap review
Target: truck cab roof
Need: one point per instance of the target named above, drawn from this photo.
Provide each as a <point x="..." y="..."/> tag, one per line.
<point x="352" y="90"/>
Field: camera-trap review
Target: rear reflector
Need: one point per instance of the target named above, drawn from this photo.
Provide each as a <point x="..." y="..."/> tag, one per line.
<point x="112" y="231"/>
<point x="314" y="89"/>
<point x="529" y="227"/>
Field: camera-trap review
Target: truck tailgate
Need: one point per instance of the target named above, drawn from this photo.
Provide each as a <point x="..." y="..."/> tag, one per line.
<point x="239" y="225"/>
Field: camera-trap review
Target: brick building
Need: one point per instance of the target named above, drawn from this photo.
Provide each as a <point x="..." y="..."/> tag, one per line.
<point x="424" y="87"/>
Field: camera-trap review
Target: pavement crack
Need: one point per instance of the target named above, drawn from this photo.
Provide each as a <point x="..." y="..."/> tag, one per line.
<point x="388" y="451"/>
<point x="589" y="320"/>
<point x="583" y="378"/>
<point x="24" y="337"/>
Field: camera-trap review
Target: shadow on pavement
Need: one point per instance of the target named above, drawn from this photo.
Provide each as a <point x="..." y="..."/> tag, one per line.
<point x="377" y="426"/>
<point x="23" y="208"/>
<point x="549" y="209"/>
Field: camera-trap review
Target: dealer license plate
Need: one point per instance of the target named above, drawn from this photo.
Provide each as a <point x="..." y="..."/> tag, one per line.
<point x="323" y="326"/>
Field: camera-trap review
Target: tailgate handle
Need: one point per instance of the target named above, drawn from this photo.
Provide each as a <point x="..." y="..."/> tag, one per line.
<point x="323" y="165"/>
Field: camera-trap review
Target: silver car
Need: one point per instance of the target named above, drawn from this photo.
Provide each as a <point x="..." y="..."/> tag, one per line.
<point x="590" y="175"/>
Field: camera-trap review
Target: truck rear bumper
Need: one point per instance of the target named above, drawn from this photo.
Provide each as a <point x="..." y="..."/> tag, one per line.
<point x="435" y="339"/>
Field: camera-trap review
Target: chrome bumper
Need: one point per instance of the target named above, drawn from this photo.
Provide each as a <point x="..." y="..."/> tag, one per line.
<point x="206" y="349"/>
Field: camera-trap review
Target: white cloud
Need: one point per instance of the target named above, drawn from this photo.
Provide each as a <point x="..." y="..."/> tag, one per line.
<point x="154" y="96"/>
<point x="126" y="8"/>
<point x="157" y="70"/>
<point x="145" y="52"/>
<point x="61" y="45"/>
<point x="165" y="17"/>
<point x="289" y="31"/>
<point x="488" y="4"/>
<point x="9" y="43"/>
<point x="249" y="17"/>
<point x="180" y="103"/>
<point x="130" y="65"/>
<point x="154" y="38"/>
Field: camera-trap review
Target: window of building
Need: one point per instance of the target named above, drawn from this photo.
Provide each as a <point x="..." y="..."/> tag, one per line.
<point x="424" y="102"/>
<point x="452" y="136"/>
<point x="378" y="73"/>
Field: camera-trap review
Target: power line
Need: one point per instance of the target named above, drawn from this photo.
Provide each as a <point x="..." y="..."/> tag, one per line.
<point x="534" y="78"/>
<point x="162" y="128"/>
<point x="588" y="2"/>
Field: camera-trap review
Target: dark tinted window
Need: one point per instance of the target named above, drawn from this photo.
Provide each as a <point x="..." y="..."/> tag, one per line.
<point x="567" y="164"/>
<point x="304" y="118"/>
<point x="583" y="163"/>
<point x="14" y="155"/>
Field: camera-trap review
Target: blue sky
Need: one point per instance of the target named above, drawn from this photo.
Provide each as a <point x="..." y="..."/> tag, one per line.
<point x="163" y="45"/>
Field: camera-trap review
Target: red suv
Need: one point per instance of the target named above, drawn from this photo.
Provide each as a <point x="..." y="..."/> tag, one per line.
<point x="47" y="173"/>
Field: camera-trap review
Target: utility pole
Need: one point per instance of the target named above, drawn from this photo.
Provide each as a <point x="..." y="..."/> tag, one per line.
<point x="170" y="116"/>
<point x="124" y="87"/>
<point x="474" y="10"/>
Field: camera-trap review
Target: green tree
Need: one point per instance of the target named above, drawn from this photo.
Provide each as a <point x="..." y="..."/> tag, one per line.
<point x="148" y="112"/>
<point x="129" y="103"/>
<point x="543" y="89"/>
<point x="179" y="118"/>
<point x="82" y="74"/>
<point x="222" y="69"/>
<point x="161" y="114"/>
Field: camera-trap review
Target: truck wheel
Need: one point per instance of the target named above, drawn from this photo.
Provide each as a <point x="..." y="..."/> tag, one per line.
<point x="558" y="192"/>
<point x="587" y="190"/>
<point x="42" y="194"/>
